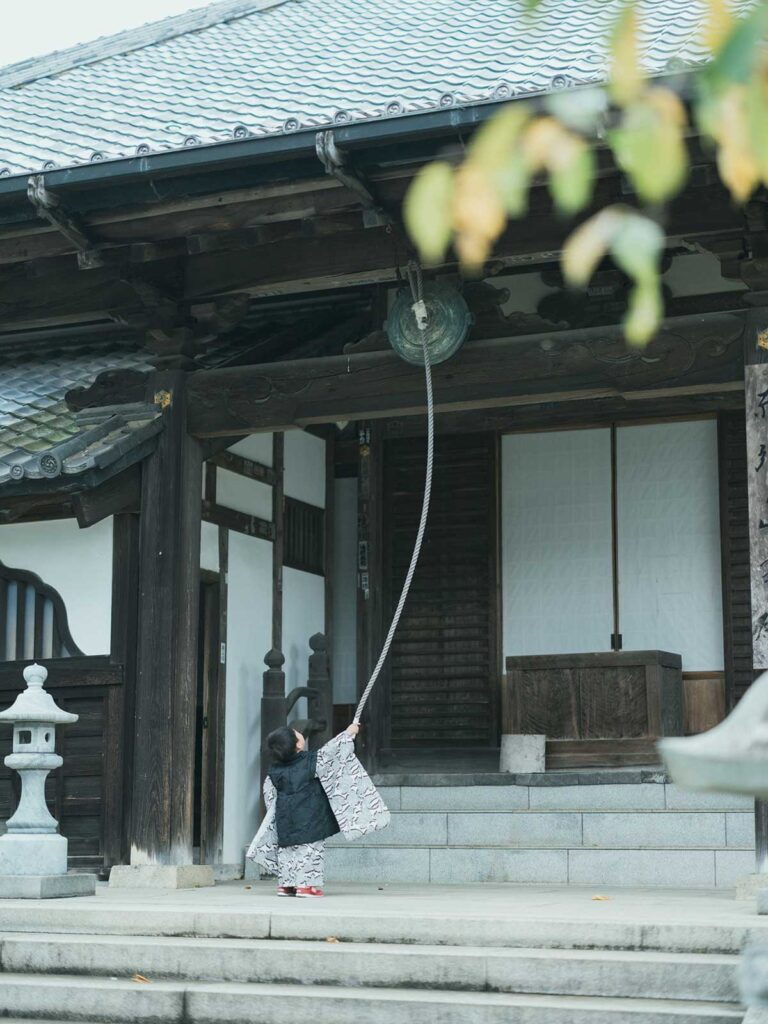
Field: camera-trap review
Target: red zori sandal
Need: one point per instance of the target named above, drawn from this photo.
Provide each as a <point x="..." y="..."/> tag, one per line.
<point x="286" y="890"/>
<point x="309" y="892"/>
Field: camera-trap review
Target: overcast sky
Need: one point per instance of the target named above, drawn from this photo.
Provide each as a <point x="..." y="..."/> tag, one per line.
<point x="41" y="26"/>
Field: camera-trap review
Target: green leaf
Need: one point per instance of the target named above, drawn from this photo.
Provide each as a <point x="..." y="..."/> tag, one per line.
<point x="637" y="245"/>
<point x="739" y="54"/>
<point x="649" y="145"/>
<point x="579" y="109"/>
<point x="513" y="181"/>
<point x="645" y="311"/>
<point x="428" y="213"/>
<point x="572" y="173"/>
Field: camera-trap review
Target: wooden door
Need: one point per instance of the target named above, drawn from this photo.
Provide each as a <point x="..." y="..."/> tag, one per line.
<point x="443" y="670"/>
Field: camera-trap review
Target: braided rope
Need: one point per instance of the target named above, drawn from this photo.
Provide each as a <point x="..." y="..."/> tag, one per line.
<point x="419" y="302"/>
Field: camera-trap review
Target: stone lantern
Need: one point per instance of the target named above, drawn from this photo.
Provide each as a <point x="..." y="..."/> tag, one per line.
<point x="33" y="855"/>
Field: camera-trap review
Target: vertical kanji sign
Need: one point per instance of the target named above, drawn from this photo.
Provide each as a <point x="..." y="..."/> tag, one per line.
<point x="757" y="470"/>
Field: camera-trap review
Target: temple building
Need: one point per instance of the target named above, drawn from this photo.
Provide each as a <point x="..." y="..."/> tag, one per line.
<point x="212" y="460"/>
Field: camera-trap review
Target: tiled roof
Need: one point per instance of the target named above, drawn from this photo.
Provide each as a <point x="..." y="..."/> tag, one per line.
<point x="40" y="438"/>
<point x="283" y="66"/>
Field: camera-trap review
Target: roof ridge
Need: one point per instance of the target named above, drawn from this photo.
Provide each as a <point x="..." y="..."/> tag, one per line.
<point x="131" y="39"/>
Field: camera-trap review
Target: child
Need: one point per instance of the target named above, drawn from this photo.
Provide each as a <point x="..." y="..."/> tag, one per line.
<point x="309" y="798"/>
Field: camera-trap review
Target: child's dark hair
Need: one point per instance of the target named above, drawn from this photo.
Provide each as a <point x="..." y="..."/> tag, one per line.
<point x="281" y="744"/>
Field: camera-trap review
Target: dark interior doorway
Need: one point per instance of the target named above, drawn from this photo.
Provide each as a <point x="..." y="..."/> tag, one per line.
<point x="209" y="726"/>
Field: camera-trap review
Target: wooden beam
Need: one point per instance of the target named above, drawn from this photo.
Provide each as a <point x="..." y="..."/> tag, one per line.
<point x="240" y="522"/>
<point x="121" y="493"/>
<point x="573" y="365"/>
<point x="244" y="467"/>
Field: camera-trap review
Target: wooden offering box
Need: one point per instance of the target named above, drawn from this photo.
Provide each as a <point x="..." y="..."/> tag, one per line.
<point x="596" y="710"/>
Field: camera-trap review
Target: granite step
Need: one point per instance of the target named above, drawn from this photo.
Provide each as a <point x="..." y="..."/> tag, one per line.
<point x="604" y="973"/>
<point x="84" y="999"/>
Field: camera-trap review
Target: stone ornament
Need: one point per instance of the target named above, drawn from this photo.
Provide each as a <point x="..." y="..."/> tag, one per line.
<point x="33" y="855"/>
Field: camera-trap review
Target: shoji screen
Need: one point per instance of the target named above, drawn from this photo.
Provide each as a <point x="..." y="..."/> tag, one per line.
<point x="669" y="541"/>
<point x="556" y="542"/>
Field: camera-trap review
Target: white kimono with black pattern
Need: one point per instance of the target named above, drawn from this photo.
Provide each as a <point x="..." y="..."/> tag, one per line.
<point x="354" y="800"/>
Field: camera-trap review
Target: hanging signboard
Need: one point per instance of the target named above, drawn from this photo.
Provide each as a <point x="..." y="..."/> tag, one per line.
<point x="756" y="393"/>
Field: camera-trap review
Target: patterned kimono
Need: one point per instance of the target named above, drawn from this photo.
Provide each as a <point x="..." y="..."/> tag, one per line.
<point x="354" y="801"/>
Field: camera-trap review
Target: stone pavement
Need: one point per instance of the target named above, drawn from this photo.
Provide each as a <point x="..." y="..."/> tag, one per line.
<point x="565" y="916"/>
<point x="483" y="954"/>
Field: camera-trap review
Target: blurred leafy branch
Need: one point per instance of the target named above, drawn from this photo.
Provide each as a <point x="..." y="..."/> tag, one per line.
<point x="644" y="124"/>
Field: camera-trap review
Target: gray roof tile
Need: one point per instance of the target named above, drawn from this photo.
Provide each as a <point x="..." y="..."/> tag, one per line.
<point x="40" y="437"/>
<point x="311" y="63"/>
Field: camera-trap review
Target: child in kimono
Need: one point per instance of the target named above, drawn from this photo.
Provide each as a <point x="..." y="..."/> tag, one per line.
<point x="311" y="796"/>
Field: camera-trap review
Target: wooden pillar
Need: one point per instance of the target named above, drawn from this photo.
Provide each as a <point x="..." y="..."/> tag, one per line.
<point x="278" y="544"/>
<point x="369" y="585"/>
<point x="756" y="410"/>
<point x="318" y="677"/>
<point x="166" y="677"/>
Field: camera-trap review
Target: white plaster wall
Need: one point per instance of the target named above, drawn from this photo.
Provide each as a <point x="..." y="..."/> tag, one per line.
<point x="305" y="467"/>
<point x="257" y="447"/>
<point x="242" y="494"/>
<point x="209" y="547"/>
<point x="249" y="637"/>
<point x="670" y="590"/>
<point x="77" y="563"/>
<point x="303" y="615"/>
<point x="556" y="542"/>
<point x="344" y="653"/>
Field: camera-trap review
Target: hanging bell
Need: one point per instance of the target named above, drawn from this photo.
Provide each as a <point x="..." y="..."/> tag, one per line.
<point x="448" y="320"/>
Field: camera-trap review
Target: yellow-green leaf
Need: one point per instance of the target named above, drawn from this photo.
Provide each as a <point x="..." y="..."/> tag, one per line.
<point x="589" y="244"/>
<point x="645" y="310"/>
<point x="736" y="159"/>
<point x="740" y="51"/>
<point x="513" y="181"/>
<point x="478" y="213"/>
<point x="579" y="109"/>
<point x="627" y="78"/>
<point x="757" y="120"/>
<point x="571" y="174"/>
<point x="718" y="25"/>
<point x="649" y="145"/>
<point x="496" y="140"/>
<point x="428" y="210"/>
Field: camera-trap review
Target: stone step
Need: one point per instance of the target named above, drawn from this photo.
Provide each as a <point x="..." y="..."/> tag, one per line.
<point x="460" y="865"/>
<point x="83" y="999"/>
<point x="590" y="829"/>
<point x="497" y="795"/>
<point x="610" y="974"/>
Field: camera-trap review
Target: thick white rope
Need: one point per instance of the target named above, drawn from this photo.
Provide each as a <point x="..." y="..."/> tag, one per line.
<point x="420" y="313"/>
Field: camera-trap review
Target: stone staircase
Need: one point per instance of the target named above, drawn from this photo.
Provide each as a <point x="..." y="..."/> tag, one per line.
<point x="619" y="828"/>
<point x="134" y="967"/>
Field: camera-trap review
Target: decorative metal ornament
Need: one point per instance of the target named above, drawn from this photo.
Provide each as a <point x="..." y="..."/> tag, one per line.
<point x="448" y="323"/>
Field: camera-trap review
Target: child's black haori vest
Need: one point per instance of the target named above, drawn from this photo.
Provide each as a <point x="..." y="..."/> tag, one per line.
<point x="303" y="813"/>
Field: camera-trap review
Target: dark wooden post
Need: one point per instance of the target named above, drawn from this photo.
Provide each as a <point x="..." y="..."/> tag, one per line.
<point x="756" y="389"/>
<point x="370" y="590"/>
<point x="166" y="667"/>
<point x="319" y="679"/>
<point x="273" y="704"/>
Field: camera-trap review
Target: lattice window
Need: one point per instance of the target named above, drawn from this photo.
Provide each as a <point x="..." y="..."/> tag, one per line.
<point x="304" y="537"/>
<point x="33" y="619"/>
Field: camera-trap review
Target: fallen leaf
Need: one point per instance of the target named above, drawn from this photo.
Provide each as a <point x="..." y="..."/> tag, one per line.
<point x="247" y="886"/>
<point x="601" y="899"/>
<point x="141" y="979"/>
<point x="332" y="939"/>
